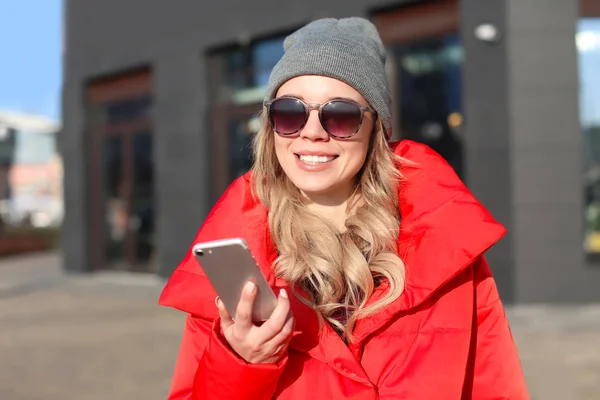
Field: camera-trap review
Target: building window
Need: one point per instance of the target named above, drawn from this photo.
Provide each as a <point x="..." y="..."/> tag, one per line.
<point x="428" y="87"/>
<point x="237" y="81"/>
<point x="8" y="138"/>
<point x="34" y="148"/>
<point x="241" y="73"/>
<point x="425" y="73"/>
<point x="121" y="171"/>
<point x="588" y="46"/>
<point x="127" y="109"/>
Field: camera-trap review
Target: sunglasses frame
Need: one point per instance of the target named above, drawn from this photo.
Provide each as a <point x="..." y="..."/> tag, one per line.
<point x="308" y="107"/>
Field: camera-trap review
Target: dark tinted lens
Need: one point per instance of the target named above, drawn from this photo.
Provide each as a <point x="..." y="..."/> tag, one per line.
<point x="341" y="118"/>
<point x="287" y="116"/>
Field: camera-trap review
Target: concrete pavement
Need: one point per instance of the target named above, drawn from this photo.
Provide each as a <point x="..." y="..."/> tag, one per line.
<point x="103" y="337"/>
<point x="82" y="337"/>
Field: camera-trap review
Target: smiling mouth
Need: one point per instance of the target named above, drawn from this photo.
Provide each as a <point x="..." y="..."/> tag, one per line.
<point x="315" y="159"/>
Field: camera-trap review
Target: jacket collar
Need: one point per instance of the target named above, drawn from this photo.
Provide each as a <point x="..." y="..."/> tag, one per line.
<point x="443" y="230"/>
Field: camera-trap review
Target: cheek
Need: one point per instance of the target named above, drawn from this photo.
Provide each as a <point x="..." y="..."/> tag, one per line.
<point x="357" y="154"/>
<point x="356" y="159"/>
<point x="281" y="146"/>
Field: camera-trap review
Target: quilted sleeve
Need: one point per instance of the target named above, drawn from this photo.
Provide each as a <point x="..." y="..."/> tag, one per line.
<point x="496" y="369"/>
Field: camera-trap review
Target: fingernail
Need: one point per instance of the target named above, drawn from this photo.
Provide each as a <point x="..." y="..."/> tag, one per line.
<point x="283" y="293"/>
<point x="217" y="301"/>
<point x="250" y="287"/>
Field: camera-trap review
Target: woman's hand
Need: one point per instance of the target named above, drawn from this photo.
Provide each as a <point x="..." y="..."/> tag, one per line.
<point x="266" y="343"/>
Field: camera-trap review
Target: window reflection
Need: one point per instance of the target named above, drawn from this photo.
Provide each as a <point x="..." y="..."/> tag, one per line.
<point x="588" y="45"/>
<point x="124" y="110"/>
<point x="247" y="69"/>
<point x="428" y="79"/>
<point x="265" y="55"/>
<point x="116" y="206"/>
<point x="238" y="80"/>
<point x="142" y="201"/>
<point x="241" y="132"/>
<point x="237" y="69"/>
<point x="8" y="140"/>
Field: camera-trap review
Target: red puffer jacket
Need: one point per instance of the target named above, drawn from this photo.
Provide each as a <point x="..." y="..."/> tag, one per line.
<point x="446" y="337"/>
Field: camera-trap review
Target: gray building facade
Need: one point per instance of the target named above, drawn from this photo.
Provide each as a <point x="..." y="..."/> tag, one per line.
<point x="159" y="101"/>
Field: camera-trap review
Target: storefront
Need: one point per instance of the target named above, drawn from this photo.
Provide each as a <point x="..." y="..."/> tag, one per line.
<point x="159" y="120"/>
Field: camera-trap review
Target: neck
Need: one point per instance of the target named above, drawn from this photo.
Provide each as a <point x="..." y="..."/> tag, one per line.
<point x="333" y="208"/>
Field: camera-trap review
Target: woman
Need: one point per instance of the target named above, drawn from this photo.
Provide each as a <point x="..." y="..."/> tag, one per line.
<point x="375" y="249"/>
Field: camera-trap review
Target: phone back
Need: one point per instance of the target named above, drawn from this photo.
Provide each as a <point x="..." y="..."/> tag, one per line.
<point x="228" y="264"/>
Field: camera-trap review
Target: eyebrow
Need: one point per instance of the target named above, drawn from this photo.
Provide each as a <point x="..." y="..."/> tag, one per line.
<point x="345" y="98"/>
<point x="292" y="95"/>
<point x="333" y="98"/>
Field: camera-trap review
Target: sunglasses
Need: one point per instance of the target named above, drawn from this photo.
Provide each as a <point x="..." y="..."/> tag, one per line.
<point x="340" y="118"/>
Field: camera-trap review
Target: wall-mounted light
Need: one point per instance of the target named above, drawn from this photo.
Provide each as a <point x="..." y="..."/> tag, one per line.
<point x="588" y="41"/>
<point x="488" y="33"/>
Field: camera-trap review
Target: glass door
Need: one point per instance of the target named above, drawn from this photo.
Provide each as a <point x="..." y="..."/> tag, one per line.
<point x="232" y="147"/>
<point x="121" y="184"/>
<point x="428" y="94"/>
<point x="141" y="202"/>
<point x="425" y="57"/>
<point x="115" y="201"/>
<point x="127" y="200"/>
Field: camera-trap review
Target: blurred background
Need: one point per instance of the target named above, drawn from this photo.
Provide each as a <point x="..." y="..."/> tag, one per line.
<point x="121" y="122"/>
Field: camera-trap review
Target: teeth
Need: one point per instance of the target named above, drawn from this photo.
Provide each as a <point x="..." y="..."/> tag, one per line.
<point x="316" y="159"/>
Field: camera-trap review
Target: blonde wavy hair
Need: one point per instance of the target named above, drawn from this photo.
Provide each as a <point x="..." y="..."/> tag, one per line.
<point x="337" y="271"/>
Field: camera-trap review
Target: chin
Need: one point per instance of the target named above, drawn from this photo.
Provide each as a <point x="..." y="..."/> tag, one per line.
<point x="319" y="186"/>
<point x="315" y="189"/>
<point x="309" y="184"/>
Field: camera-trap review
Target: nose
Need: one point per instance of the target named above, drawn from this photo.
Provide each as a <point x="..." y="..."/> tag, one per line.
<point x="313" y="130"/>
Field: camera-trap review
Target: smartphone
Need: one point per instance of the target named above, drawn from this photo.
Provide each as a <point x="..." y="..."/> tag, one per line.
<point x="229" y="264"/>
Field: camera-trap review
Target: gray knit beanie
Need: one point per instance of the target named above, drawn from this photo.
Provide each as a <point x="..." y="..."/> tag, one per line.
<point x="349" y="50"/>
